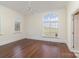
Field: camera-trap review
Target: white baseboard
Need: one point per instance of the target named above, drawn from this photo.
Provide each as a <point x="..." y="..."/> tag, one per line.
<point x="18" y="36"/>
<point x="40" y="37"/>
<point x="75" y="51"/>
<point x="11" y="38"/>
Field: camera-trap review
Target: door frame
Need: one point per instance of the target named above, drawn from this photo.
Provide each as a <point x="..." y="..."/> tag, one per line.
<point x="74" y="13"/>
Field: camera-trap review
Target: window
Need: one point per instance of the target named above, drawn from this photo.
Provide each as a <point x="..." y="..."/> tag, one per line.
<point x="17" y="24"/>
<point x="50" y="25"/>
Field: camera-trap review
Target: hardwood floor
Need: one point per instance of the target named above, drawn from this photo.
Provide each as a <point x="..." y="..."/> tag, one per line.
<point x="28" y="48"/>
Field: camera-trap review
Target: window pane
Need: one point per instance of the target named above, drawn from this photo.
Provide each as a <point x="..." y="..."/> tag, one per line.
<point x="54" y="25"/>
<point x="46" y="24"/>
<point x="50" y="22"/>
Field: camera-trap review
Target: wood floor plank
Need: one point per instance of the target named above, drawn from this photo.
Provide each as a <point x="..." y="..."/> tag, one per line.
<point x="27" y="48"/>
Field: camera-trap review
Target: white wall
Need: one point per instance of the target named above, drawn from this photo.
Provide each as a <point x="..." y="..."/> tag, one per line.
<point x="7" y="18"/>
<point x="33" y="25"/>
<point x="71" y="8"/>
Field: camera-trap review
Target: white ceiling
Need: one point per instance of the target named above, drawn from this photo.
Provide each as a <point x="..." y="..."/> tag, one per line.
<point x="28" y="7"/>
